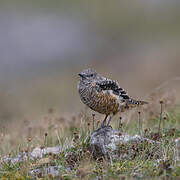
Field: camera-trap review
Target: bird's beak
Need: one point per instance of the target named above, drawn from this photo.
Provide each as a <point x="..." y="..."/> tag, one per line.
<point x="81" y="75"/>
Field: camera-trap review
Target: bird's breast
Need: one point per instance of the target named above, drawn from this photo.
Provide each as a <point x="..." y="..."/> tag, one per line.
<point x="104" y="102"/>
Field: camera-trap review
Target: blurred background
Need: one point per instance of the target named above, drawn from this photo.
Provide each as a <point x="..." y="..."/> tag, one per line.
<point x="44" y="45"/>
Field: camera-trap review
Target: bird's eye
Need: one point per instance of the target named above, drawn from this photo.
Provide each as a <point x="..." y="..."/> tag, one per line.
<point x="91" y="75"/>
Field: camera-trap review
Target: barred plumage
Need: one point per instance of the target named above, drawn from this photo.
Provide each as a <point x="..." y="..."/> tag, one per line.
<point x="104" y="95"/>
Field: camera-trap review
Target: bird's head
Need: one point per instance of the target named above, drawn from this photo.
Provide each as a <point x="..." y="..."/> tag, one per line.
<point x="88" y="75"/>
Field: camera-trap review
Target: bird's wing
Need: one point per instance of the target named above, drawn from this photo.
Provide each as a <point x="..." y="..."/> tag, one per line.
<point x="114" y="88"/>
<point x="110" y="85"/>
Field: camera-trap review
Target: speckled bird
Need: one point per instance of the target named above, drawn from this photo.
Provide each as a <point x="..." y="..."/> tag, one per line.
<point x="104" y="95"/>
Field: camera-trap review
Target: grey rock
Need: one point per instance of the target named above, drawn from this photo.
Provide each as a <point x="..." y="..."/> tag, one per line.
<point x="22" y="156"/>
<point x="41" y="172"/>
<point x="177" y="153"/>
<point x="106" y="142"/>
<point x="36" y="153"/>
<point x="41" y="152"/>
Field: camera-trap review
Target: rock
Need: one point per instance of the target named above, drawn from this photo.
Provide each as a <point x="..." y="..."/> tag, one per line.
<point x="41" y="152"/>
<point x="36" y="153"/>
<point x="177" y="154"/>
<point x="41" y="172"/>
<point x="112" y="144"/>
<point x="22" y="156"/>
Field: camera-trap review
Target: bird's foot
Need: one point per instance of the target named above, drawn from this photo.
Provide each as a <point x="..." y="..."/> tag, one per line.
<point x="104" y="126"/>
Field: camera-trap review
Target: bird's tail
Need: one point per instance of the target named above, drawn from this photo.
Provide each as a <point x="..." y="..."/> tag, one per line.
<point x="136" y="102"/>
<point x="128" y="100"/>
<point x="131" y="103"/>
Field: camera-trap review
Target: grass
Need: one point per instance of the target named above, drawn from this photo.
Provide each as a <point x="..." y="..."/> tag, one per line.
<point x="75" y="158"/>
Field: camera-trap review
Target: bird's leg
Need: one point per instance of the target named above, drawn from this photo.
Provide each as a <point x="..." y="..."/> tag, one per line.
<point x="104" y="122"/>
<point x="109" y="120"/>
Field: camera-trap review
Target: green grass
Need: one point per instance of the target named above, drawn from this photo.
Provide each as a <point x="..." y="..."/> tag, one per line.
<point x="77" y="162"/>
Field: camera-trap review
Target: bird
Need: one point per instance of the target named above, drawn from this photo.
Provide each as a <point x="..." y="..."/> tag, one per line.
<point x="104" y="95"/>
